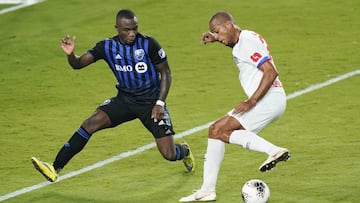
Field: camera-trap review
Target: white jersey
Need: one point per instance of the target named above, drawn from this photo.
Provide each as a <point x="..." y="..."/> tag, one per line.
<point x="249" y="54"/>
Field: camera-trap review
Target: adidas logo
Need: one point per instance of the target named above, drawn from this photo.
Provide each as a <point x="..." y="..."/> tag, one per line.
<point x="118" y="56"/>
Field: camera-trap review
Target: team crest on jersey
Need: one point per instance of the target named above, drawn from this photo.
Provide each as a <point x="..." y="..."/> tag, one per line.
<point x="161" y="53"/>
<point x="139" y="54"/>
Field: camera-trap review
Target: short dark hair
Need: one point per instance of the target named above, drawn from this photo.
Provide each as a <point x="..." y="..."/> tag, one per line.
<point x="125" y="13"/>
<point x="222" y="17"/>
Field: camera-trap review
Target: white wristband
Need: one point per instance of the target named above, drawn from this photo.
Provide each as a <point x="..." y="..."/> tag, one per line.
<point x="160" y="103"/>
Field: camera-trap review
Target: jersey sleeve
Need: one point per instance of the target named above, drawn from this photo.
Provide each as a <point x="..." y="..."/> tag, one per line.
<point x="256" y="51"/>
<point x="156" y="52"/>
<point x="98" y="51"/>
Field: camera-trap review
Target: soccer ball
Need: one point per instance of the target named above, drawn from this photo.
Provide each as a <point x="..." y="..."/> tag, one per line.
<point x="255" y="191"/>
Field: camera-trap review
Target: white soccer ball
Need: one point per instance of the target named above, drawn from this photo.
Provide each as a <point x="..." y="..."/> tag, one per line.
<point x="255" y="191"/>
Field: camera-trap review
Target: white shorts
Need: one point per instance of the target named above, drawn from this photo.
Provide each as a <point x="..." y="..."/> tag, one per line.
<point x="267" y="110"/>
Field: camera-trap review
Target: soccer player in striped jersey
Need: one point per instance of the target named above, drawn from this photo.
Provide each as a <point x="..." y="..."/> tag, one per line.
<point x="266" y="102"/>
<point x="143" y="76"/>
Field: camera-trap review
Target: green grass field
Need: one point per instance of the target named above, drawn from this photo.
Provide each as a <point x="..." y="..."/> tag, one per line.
<point x="43" y="101"/>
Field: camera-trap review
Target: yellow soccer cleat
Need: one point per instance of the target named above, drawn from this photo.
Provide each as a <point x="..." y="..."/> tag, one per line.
<point x="189" y="160"/>
<point x="46" y="169"/>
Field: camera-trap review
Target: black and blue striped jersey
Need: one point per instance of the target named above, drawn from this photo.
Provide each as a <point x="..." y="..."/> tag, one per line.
<point x="133" y="65"/>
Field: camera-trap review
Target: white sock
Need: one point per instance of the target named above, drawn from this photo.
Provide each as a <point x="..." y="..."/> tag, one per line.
<point x="252" y="141"/>
<point x="214" y="155"/>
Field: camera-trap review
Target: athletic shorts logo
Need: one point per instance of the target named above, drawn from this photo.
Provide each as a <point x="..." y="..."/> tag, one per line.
<point x="106" y="102"/>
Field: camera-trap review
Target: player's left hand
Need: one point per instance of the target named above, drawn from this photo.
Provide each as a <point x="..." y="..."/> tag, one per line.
<point x="157" y="112"/>
<point x="244" y="107"/>
<point x="68" y="44"/>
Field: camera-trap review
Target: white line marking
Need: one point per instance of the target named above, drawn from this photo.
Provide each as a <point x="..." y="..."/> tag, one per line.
<point x="151" y="145"/>
<point x="10" y="1"/>
<point x="26" y="3"/>
<point x="323" y="84"/>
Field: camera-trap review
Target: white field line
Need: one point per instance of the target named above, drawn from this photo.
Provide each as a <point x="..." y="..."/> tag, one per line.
<point x="24" y="4"/>
<point x="151" y="145"/>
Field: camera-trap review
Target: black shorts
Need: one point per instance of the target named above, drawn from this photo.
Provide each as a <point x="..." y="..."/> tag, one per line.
<point x="121" y="109"/>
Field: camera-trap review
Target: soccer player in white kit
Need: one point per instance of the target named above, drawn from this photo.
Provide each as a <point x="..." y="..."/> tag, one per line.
<point x="266" y="102"/>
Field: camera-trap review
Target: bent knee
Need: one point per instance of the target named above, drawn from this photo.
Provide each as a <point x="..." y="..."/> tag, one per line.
<point x="97" y="121"/>
<point x="169" y="156"/>
<point x="214" y="131"/>
<point x="168" y="153"/>
<point x="218" y="132"/>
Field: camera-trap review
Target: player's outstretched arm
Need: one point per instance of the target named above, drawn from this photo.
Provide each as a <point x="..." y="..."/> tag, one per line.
<point x="77" y="62"/>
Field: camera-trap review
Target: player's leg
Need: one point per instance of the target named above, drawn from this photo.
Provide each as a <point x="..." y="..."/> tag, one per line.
<point x="169" y="150"/>
<point x="108" y="114"/>
<point x="252" y="141"/>
<point x="163" y="133"/>
<point x="98" y="120"/>
<point x="217" y="138"/>
<point x="265" y="112"/>
<point x="174" y="151"/>
<point x="219" y="133"/>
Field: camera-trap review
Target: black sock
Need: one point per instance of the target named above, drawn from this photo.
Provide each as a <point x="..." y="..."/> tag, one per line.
<point x="72" y="147"/>
<point x="181" y="151"/>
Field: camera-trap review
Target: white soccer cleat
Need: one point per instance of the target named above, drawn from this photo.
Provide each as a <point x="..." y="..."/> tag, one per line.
<point x="200" y="196"/>
<point x="282" y="155"/>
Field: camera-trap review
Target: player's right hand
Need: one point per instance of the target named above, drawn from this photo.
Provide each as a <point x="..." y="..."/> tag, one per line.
<point x="244" y="106"/>
<point x="208" y="37"/>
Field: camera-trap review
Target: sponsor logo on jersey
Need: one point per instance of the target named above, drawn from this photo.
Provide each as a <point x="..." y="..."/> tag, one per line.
<point x="140" y="67"/>
<point x="125" y="68"/>
<point x="255" y="57"/>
